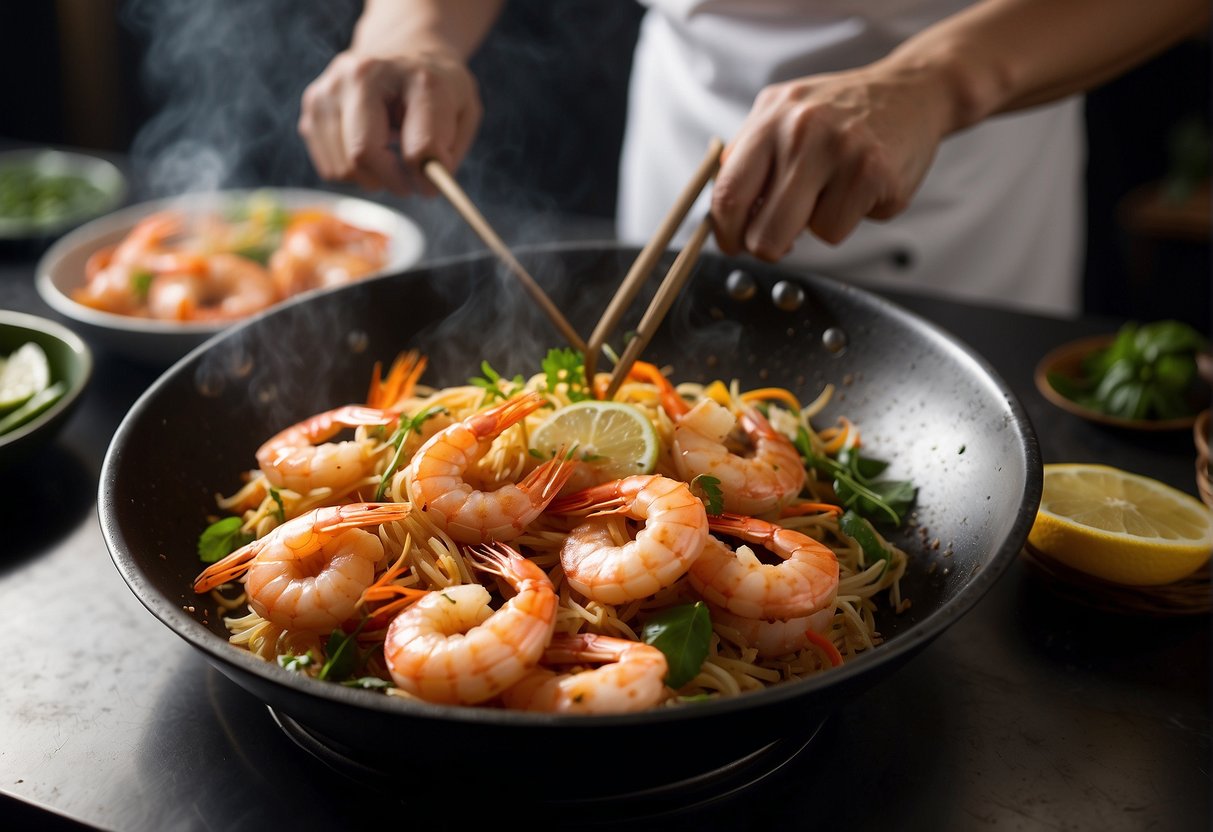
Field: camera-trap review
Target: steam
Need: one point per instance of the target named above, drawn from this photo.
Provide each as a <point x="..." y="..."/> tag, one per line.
<point x="223" y="78"/>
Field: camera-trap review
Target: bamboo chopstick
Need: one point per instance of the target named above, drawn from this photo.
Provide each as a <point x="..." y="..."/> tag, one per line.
<point x="445" y="182"/>
<point x="650" y="254"/>
<point x="671" y="285"/>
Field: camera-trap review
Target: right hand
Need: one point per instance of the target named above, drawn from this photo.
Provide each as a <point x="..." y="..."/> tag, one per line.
<point x="376" y="120"/>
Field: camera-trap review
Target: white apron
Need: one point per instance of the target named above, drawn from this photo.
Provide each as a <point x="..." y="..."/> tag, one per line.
<point x="998" y="218"/>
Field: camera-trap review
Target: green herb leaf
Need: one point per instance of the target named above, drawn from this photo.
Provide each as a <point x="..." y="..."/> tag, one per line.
<point x="857" y="527"/>
<point x="342" y="652"/>
<point x="708" y="488"/>
<point x="280" y="512"/>
<point x="406" y="427"/>
<point x="221" y="538"/>
<point x="141" y="283"/>
<point x="683" y="634"/>
<point x="566" y="367"/>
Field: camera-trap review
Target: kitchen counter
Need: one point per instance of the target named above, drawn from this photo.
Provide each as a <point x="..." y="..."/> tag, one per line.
<point x="1034" y="711"/>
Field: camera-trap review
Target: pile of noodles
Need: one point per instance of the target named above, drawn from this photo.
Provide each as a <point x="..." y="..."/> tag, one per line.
<point x="425" y="558"/>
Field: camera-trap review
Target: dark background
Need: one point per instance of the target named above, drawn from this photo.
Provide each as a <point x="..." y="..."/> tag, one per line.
<point x="140" y="76"/>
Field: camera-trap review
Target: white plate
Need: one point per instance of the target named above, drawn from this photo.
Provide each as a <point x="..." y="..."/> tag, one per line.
<point x="160" y="343"/>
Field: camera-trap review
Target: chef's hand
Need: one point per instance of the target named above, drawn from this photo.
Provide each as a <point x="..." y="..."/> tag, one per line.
<point x="824" y="152"/>
<point x="374" y="120"/>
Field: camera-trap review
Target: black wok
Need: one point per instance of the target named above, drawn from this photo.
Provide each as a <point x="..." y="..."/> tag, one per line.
<point x="924" y="401"/>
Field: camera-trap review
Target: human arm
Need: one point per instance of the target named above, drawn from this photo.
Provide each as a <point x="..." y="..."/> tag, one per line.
<point x="403" y="79"/>
<point x="828" y="150"/>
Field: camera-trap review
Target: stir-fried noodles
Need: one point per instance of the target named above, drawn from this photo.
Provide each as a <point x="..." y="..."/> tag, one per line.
<point x="421" y="544"/>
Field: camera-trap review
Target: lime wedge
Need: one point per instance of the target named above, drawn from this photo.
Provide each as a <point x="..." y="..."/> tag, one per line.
<point x="25" y="373"/>
<point x="616" y="439"/>
<point x="37" y="403"/>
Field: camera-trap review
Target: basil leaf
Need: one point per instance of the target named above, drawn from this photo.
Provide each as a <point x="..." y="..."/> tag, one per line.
<point x="221" y="538"/>
<point x="342" y="652"/>
<point x="683" y="634"/>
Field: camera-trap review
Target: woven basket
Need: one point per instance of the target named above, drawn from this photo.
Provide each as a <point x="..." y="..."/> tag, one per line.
<point x="1204" y="474"/>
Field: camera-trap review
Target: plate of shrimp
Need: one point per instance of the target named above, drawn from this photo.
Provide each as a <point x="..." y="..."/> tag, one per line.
<point x="158" y="278"/>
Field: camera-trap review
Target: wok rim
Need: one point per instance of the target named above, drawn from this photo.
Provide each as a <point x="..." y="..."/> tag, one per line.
<point x="892" y="653"/>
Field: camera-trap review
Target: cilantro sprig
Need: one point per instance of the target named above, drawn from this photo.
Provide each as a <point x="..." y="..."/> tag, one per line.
<point x="566" y="368"/>
<point x="407" y="426"/>
<point x="490" y="381"/>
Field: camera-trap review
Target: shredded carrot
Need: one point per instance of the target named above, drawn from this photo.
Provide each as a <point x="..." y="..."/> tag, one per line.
<point x="772" y="393"/>
<point x="801" y="509"/>
<point x="837" y="438"/>
<point x="389" y="392"/>
<point x="826" y="646"/>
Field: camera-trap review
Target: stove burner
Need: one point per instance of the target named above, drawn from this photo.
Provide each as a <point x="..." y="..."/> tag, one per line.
<point x="665" y="799"/>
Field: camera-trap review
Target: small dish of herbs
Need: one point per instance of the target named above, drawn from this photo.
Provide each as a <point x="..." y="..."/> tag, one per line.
<point x="1145" y="376"/>
<point x="45" y="192"/>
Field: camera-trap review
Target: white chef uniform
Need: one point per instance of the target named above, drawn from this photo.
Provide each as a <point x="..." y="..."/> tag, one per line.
<point x="998" y="218"/>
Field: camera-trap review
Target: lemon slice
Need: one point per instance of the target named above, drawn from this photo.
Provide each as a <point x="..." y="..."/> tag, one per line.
<point x="614" y="438"/>
<point x="1120" y="526"/>
<point x="26" y="372"/>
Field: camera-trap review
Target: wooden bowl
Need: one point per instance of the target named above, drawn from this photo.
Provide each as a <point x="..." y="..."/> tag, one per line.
<point x="1067" y="360"/>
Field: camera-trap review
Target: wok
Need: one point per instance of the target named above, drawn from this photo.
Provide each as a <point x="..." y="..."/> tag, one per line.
<point x="925" y="402"/>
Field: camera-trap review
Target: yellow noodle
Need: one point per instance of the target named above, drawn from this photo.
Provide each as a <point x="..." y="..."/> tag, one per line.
<point x="431" y="560"/>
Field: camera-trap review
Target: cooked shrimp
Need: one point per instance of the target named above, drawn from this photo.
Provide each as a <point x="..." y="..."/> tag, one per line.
<point x="771" y="476"/>
<point x="308" y="573"/>
<point x="673" y="536"/>
<point x="805" y="581"/>
<point x="221" y="287"/>
<point x="118" y="277"/>
<point x="633" y="678"/>
<point x="319" y="250"/>
<point x="436" y="478"/>
<point x="300" y="459"/>
<point x="779" y="637"/>
<point x="451" y="647"/>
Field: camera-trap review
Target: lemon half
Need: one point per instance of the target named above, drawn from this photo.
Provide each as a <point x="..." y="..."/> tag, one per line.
<point x="616" y="439"/>
<point x="1120" y="526"/>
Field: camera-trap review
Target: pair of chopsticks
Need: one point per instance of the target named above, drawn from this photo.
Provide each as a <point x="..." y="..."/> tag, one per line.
<point x="671" y="285"/>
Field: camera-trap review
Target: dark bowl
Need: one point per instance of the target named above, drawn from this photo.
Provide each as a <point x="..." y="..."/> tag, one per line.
<point x="924" y="401"/>
<point x="71" y="361"/>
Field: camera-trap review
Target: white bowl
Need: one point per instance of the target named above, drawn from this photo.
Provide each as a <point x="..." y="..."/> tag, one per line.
<point x="158" y="342"/>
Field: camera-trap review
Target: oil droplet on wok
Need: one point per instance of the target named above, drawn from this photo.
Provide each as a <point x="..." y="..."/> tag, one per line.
<point x="787" y="296"/>
<point x="740" y="285"/>
<point x="834" y="340"/>
<point x="358" y="341"/>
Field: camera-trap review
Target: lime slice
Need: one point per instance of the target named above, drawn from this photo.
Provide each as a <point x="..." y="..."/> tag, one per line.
<point x="1120" y="526"/>
<point x="37" y="403"/>
<point x="616" y="439"/>
<point x="25" y="373"/>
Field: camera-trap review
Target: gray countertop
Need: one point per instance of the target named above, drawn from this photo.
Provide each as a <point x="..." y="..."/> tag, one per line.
<point x="1033" y="712"/>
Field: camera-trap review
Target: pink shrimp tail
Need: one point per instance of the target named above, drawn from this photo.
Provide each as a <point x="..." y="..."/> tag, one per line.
<point x="228" y="569"/>
<point x="493" y="421"/>
<point x="604" y="499"/>
<point x="546" y="481"/>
